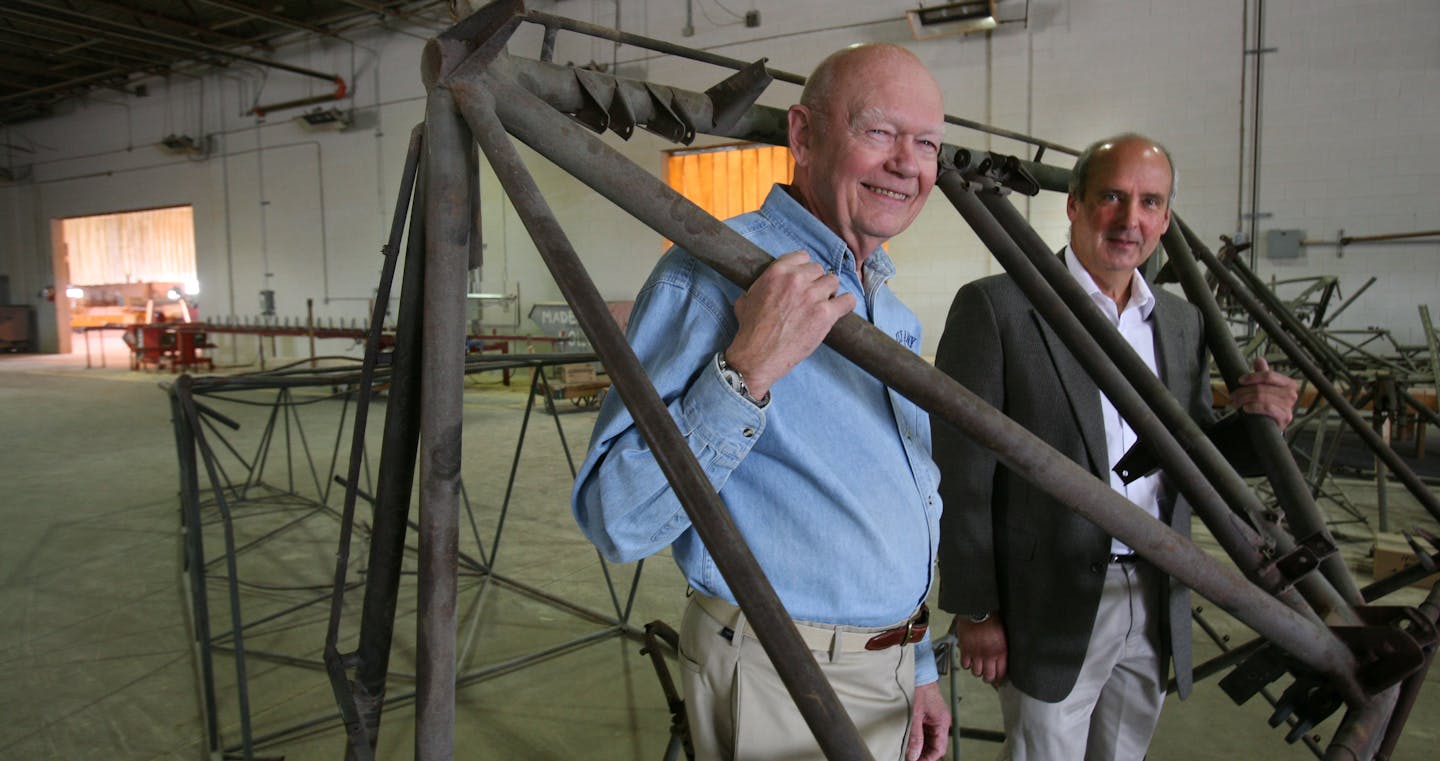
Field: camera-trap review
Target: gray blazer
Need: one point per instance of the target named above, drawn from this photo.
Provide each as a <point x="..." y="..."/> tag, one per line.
<point x="1005" y="545"/>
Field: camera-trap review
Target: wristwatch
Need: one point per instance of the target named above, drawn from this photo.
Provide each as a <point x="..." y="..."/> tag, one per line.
<point x="978" y="618"/>
<point x="737" y="381"/>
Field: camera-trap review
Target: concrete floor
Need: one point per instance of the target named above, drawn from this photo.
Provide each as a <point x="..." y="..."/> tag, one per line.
<point x="98" y="661"/>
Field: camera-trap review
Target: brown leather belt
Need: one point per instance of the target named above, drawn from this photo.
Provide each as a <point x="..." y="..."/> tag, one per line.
<point x="913" y="631"/>
<point x="824" y="638"/>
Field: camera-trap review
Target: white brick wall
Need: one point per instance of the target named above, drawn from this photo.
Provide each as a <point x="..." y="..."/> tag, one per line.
<point x="1351" y="140"/>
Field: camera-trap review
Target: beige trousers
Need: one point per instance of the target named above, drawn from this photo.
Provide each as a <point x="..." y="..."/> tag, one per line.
<point x="1110" y="714"/>
<point x="739" y="710"/>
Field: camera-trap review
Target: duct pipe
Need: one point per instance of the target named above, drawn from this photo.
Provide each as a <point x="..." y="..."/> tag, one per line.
<point x="596" y="164"/>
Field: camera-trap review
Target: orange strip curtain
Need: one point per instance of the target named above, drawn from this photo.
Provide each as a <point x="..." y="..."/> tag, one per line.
<point x="155" y="246"/>
<point x="730" y="179"/>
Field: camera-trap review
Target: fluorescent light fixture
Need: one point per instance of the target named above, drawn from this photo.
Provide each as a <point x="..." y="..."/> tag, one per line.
<point x="324" y="120"/>
<point x="952" y="18"/>
<point x="191" y="287"/>
<point x="179" y="145"/>
<point x="74" y="292"/>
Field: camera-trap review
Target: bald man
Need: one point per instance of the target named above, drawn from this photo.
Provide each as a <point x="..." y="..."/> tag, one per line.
<point x="826" y="472"/>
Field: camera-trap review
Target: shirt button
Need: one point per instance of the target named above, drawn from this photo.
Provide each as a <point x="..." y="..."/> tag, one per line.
<point x="748" y="432"/>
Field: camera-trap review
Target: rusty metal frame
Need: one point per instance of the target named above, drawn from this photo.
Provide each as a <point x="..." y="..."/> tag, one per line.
<point x="479" y="93"/>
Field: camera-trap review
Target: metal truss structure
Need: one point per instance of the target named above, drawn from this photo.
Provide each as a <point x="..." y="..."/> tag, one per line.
<point x="259" y="497"/>
<point x="1369" y="368"/>
<point x="1317" y="628"/>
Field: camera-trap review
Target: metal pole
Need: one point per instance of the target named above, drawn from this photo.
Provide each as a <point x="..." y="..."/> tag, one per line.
<point x="1316" y="376"/>
<point x="396" y="477"/>
<point x="601" y="167"/>
<point x="355" y="707"/>
<point x="1165" y="425"/>
<point x="1291" y="490"/>
<point x="447" y="231"/>
<point x="813" y="695"/>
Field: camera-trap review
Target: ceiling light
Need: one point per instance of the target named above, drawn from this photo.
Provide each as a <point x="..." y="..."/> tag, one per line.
<point x="324" y="120"/>
<point x="952" y="18"/>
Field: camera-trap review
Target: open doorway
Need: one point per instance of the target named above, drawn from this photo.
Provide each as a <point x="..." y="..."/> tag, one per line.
<point x="121" y="270"/>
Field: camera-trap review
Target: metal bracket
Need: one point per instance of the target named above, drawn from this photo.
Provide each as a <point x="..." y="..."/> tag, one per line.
<point x="990" y="170"/>
<point x="664" y="121"/>
<point x="732" y="97"/>
<point x="598" y="92"/>
<point x="1305" y="558"/>
<point x="1255" y="672"/>
<point x="1390" y="646"/>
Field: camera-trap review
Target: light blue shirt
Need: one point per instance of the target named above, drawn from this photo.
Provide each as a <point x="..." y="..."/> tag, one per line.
<point x="831" y="483"/>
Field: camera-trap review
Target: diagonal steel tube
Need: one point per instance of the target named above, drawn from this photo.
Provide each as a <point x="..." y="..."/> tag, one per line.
<point x="1162" y="422"/>
<point x="1290" y="487"/>
<point x="396" y="476"/>
<point x="601" y="167"/>
<point x="1322" y="384"/>
<point x="814" y="697"/>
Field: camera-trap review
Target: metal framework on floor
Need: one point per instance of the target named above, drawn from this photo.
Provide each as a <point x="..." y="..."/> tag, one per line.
<point x="253" y="477"/>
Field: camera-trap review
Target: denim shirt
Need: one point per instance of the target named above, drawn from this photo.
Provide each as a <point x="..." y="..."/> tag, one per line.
<point x="831" y="483"/>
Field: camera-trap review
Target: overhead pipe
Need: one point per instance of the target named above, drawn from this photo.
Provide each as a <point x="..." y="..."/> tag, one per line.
<point x="602" y="168"/>
<point x="158" y="39"/>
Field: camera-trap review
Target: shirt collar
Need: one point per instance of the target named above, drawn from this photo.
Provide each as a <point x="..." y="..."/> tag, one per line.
<point x="783" y="210"/>
<point x="1141" y="297"/>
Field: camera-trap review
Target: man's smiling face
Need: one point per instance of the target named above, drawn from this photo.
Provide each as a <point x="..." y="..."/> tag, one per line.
<point x="871" y="153"/>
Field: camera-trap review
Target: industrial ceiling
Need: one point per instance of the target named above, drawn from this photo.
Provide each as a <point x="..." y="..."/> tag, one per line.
<point x="54" y="50"/>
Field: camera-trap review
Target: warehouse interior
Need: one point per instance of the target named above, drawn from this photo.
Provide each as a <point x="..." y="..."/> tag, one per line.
<point x="269" y="147"/>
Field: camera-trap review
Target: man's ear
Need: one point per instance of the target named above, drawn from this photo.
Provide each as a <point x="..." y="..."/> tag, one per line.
<point x="1072" y="206"/>
<point x="799" y="130"/>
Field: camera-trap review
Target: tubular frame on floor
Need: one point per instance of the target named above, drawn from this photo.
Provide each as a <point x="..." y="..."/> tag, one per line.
<point x="227" y="482"/>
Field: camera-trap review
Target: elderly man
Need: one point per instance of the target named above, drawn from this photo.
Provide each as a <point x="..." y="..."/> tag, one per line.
<point x="1075" y="630"/>
<point x="826" y="472"/>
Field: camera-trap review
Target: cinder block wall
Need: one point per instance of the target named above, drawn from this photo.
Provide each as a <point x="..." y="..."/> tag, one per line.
<point x="1350" y="140"/>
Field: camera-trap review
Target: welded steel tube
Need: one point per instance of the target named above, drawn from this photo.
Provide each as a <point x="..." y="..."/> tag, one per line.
<point x="399" y="438"/>
<point x="612" y="175"/>
<point x="813" y="694"/>
<point x="1317" y="377"/>
<point x="1163" y="423"/>
<point x="1284" y="474"/>
<point x="552" y="22"/>
<point x="1123" y="377"/>
<point x="1316" y="345"/>
<point x="349" y="703"/>
<point x="447" y="230"/>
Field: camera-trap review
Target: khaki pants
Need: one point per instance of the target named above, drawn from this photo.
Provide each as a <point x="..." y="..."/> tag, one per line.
<point x="1110" y="714"/>
<point x="739" y="710"/>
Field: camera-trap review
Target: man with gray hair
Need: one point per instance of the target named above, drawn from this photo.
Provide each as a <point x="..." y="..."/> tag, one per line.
<point x="1075" y="630"/>
<point x="826" y="471"/>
